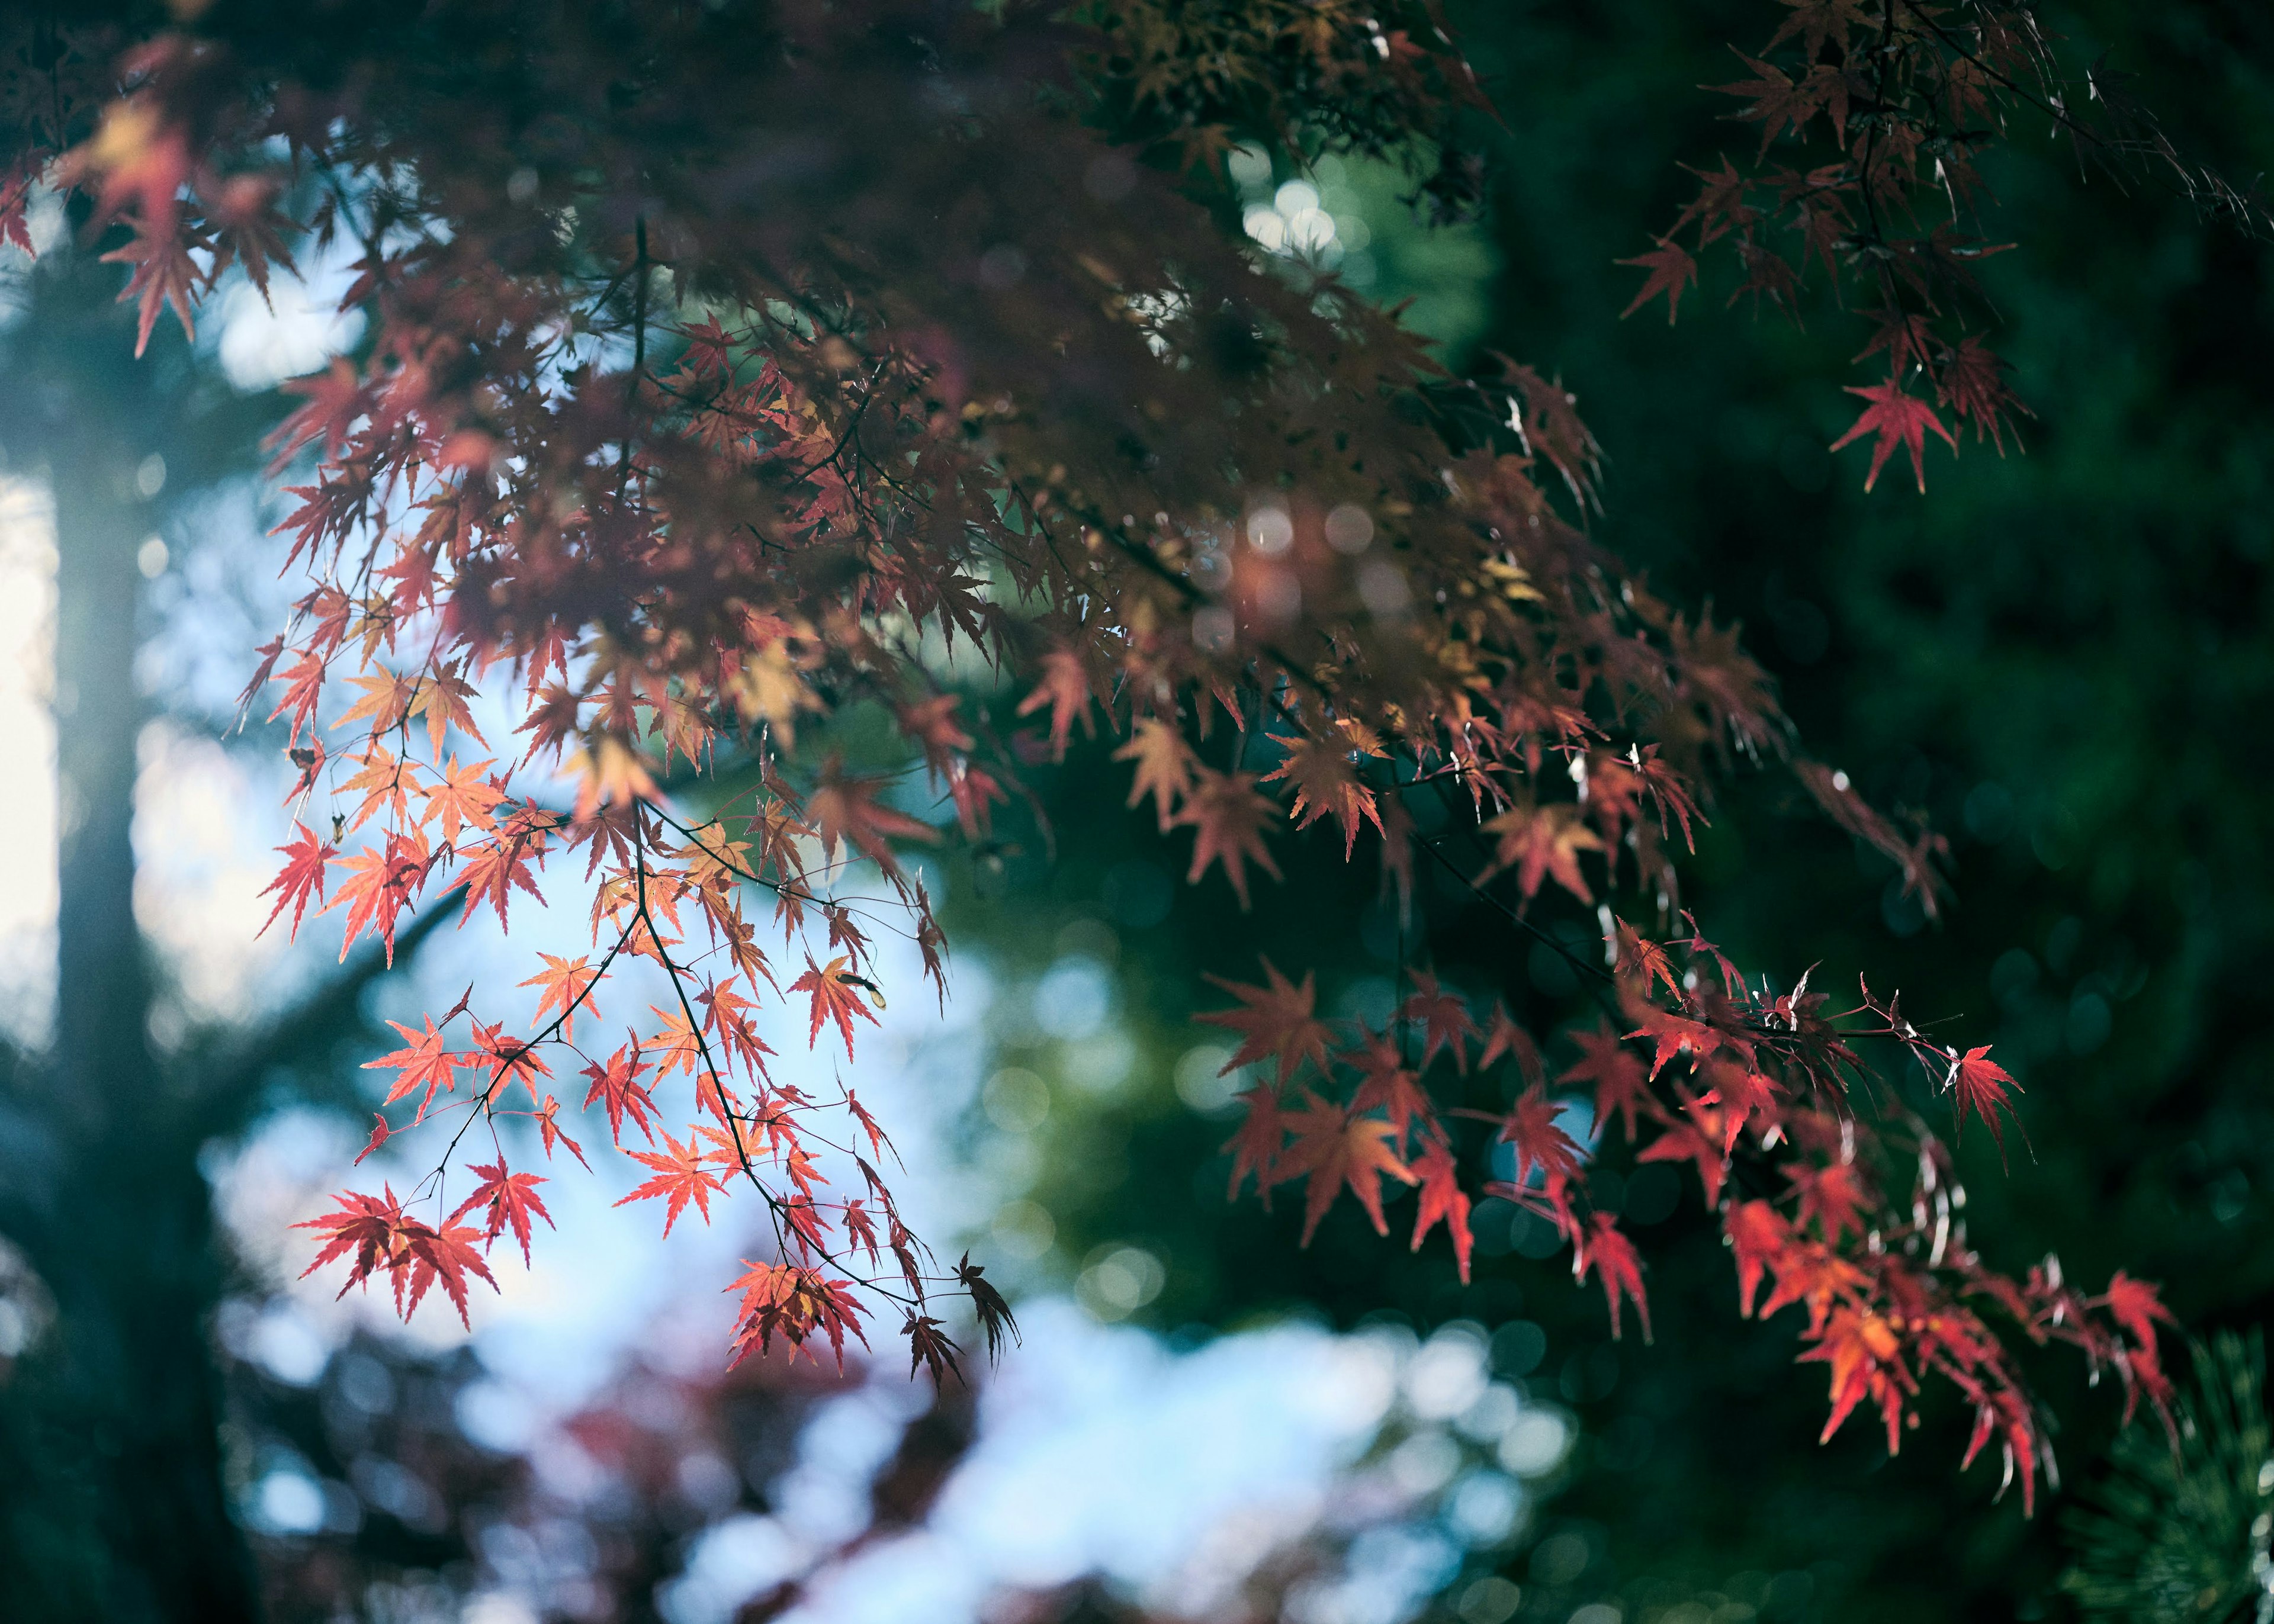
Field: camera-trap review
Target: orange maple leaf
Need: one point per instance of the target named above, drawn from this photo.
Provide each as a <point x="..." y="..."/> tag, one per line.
<point x="463" y="797"/>
<point x="836" y="995"/>
<point x="1063" y="686"/>
<point x="1865" y="1356"/>
<point x="386" y="700"/>
<point x="681" y="1175"/>
<point x="1540" y="842"/>
<point x="1228" y="818"/>
<point x="1165" y="766"/>
<point x="846" y="809"/>
<point x="567" y="986"/>
<point x="1326" y="784"/>
<point x="424" y="1061"/>
<point x="441" y="700"/>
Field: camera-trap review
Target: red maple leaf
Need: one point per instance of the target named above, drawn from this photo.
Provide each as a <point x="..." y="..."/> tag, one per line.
<point x="1442" y="1197"/>
<point x="1616" y="1266"/>
<point x="1274" y="1022"/>
<point x="1530" y="1125"/>
<point x="616" y="1085"/>
<point x="550" y="1134"/>
<point x="510" y="1060"/>
<point x="792" y="1302"/>
<point x="1978" y="1085"/>
<point x="1671" y="269"/>
<point x="1334" y="1149"/>
<point x="878" y="1139"/>
<point x="494" y="867"/>
<point x="1830" y="1197"/>
<point x="447" y="1255"/>
<point x="335" y="400"/>
<point x="508" y="1201"/>
<point x="1675" y="1035"/>
<point x="1899" y="419"/>
<point x="413" y="1254"/>
<point x="364" y="1224"/>
<point x="1684" y="1142"/>
<point x="1255" y="1147"/>
<point x="1504" y="1036"/>
<point x="380" y="885"/>
<point x="1743" y="1095"/>
<point x="1444" y="1018"/>
<point x="303" y="687"/>
<point x="1759" y="1235"/>
<point x="303" y="876"/>
<point x="2135" y="1305"/>
<point x="1386" y="1083"/>
<point x="1541" y="842"/>
<point x="164" y="273"/>
<point x="1818" y="20"/>
<point x="1639" y="957"/>
<point x="1778" y="102"/>
<point x="975" y="792"/>
<point x="1326" y="784"/>
<point x="1971" y="381"/>
<point x="1620" y="1083"/>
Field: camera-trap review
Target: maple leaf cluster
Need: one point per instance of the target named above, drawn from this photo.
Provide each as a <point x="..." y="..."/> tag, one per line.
<point x="1856" y="1223"/>
<point x="675" y="475"/>
<point x="696" y="414"/>
<point x="1880" y="114"/>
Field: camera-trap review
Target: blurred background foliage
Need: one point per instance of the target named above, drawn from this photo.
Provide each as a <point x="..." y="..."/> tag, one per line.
<point x="2062" y="657"/>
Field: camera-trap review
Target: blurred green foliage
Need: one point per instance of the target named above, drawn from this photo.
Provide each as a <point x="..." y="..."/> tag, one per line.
<point x="2177" y="1534"/>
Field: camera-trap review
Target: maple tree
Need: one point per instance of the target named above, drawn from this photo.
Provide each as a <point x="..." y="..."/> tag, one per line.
<point x="672" y="449"/>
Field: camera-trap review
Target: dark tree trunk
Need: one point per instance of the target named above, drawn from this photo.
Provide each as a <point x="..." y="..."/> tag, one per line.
<point x="125" y="1242"/>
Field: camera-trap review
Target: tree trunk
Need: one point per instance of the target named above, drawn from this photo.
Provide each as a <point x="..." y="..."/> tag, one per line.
<point x="128" y="1248"/>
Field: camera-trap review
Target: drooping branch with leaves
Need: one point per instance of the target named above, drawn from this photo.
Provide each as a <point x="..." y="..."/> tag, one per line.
<point x="733" y="370"/>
